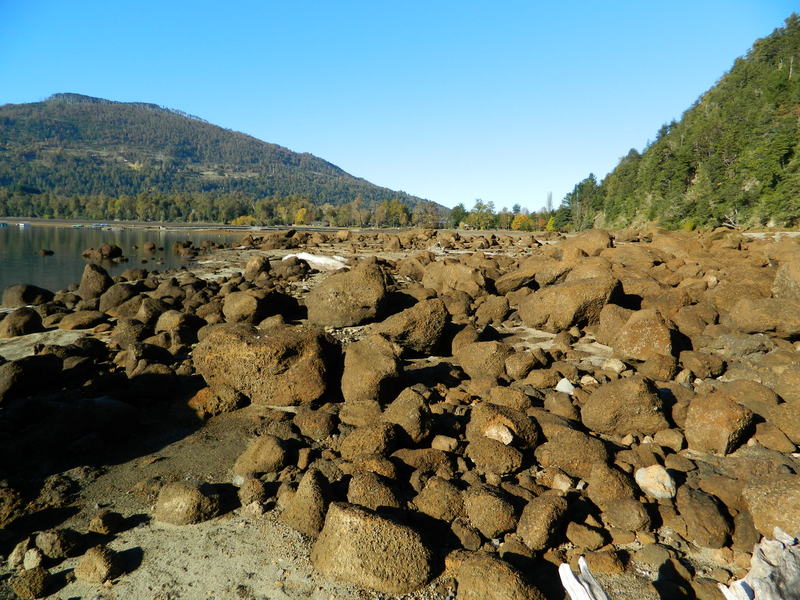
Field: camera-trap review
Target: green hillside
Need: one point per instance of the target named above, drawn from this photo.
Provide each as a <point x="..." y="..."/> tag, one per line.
<point x="734" y="157"/>
<point x="78" y="154"/>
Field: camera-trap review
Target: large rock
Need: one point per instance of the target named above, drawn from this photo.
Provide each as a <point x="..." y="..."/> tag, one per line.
<point x="94" y="281"/>
<point x="787" y="281"/>
<point x="631" y="405"/>
<point x="186" y="502"/>
<point x="757" y="315"/>
<point x="15" y="296"/>
<point x="541" y="520"/>
<point x="418" y="328"/>
<point x="448" y="276"/>
<point x="82" y="319"/>
<point x="350" y="298"/>
<point x="774" y="501"/>
<point x="265" y="454"/>
<point x="706" y="526"/>
<point x="20" y="322"/>
<point x="255" y="266"/>
<point x="371" y="369"/>
<point x="717" y="424"/>
<point x="559" y="307"/>
<point x="306" y="511"/>
<point x="574" y="452"/>
<point x="643" y="335"/>
<point x="28" y="375"/>
<point x="115" y="296"/>
<point x="482" y="576"/>
<point x="489" y="511"/>
<point x="484" y="359"/>
<point x="99" y="564"/>
<point x="285" y="366"/>
<point x="357" y="546"/>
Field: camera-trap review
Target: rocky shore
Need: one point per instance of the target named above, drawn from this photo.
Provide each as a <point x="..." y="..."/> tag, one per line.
<point x="443" y="416"/>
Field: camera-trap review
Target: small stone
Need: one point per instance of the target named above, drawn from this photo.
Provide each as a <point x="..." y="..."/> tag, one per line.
<point x="565" y="386"/>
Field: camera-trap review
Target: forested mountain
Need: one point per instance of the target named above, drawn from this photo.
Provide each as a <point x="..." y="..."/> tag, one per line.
<point x="80" y="156"/>
<point x="734" y="157"/>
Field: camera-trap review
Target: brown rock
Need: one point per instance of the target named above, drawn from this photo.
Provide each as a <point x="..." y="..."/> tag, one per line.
<point x="627" y="514"/>
<point x="625" y="406"/>
<point x="410" y="411"/>
<point x="706" y="526"/>
<point x="94" y="281"/>
<point x="255" y="266"/>
<point x="483" y="359"/>
<point x="559" y="307"/>
<point x="716" y="424"/>
<point x="378" y="438"/>
<point x="349" y="298"/>
<point x="22" y="321"/>
<point x="306" y="510"/>
<point x="58" y="544"/>
<point x="774" y="501"/>
<point x="23" y="294"/>
<point x="115" y="296"/>
<point x="286" y="366"/>
<point x="541" y="520"/>
<point x="757" y="315"/>
<point x="371" y="369"/>
<point x="447" y="276"/>
<point x="489" y="511"/>
<point x="419" y="328"/>
<point x="358" y="546"/>
<point x="574" y="452"/>
<point x="30" y="584"/>
<point x="82" y="319"/>
<point x="315" y="424"/>
<point x="440" y="499"/>
<point x="107" y="522"/>
<point x="186" y="503"/>
<point x="485" y="577"/>
<point x="502" y="423"/>
<point x="608" y="484"/>
<point x="373" y="491"/>
<point x="265" y="454"/>
<point x="644" y="334"/>
<point x="493" y="456"/>
<point x="99" y="564"/>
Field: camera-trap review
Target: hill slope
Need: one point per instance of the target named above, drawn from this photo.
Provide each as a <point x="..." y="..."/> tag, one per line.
<point x="733" y="157"/>
<point x="72" y="145"/>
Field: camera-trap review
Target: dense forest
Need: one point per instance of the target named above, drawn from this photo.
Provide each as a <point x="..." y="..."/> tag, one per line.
<point x="75" y="156"/>
<point x="733" y="159"/>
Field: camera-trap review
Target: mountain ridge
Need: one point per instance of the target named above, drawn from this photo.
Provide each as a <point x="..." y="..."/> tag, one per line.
<point x="73" y="145"/>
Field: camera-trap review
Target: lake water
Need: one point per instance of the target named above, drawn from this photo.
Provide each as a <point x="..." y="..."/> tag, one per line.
<point x="20" y="261"/>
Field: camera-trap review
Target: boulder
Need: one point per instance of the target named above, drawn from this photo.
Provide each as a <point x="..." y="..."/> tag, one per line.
<point x="115" y="296"/>
<point x="98" y="565"/>
<point x="482" y="576"/>
<point x="419" y="328"/>
<point x="82" y="319"/>
<point x="625" y="406"/>
<point x="786" y="284"/>
<point x="484" y="359"/>
<point x="774" y="501"/>
<point x="574" y="452"/>
<point x="716" y="423"/>
<point x="371" y="370"/>
<point x="31" y="583"/>
<point x="489" y="511"/>
<point x="22" y="321"/>
<point x="348" y="298"/>
<point x="255" y="266"/>
<point x="440" y="499"/>
<point x="186" y="503"/>
<point x="541" y="520"/>
<point x="28" y="375"/>
<point x="559" y="307"/>
<point x="656" y="482"/>
<point x="706" y="526"/>
<point x="410" y="411"/>
<point x="265" y="454"/>
<point x="758" y="315"/>
<point x="643" y="335"/>
<point x="358" y="546"/>
<point x="287" y="365"/>
<point x="22" y="294"/>
<point x="306" y="510"/>
<point x="94" y="281"/>
<point x="377" y="438"/>
<point x="373" y="491"/>
<point x="448" y="276"/>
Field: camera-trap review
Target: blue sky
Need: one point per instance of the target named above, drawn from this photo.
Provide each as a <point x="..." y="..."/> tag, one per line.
<point x="451" y="101"/>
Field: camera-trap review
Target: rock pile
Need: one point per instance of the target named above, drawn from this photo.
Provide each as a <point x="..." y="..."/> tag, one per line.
<point x="475" y="406"/>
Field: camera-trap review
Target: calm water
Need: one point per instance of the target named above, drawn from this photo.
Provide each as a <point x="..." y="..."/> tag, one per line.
<point x="20" y="261"/>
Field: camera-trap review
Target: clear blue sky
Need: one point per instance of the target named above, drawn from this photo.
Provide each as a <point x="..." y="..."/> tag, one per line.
<point x="450" y="101"/>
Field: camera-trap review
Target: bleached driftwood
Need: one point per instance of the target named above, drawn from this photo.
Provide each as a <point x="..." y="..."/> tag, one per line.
<point x="582" y="586"/>
<point x="774" y="574"/>
<point x="319" y="262"/>
<point x="774" y="571"/>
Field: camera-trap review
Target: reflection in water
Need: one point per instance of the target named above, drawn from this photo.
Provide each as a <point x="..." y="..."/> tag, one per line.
<point x="21" y="261"/>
